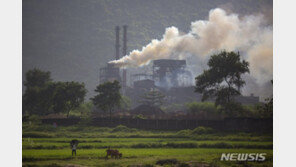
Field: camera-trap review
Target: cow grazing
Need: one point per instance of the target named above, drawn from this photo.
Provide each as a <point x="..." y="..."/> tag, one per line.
<point x="113" y="153"/>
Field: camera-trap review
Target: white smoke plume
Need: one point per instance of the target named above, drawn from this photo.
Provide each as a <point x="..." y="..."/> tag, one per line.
<point x="221" y="31"/>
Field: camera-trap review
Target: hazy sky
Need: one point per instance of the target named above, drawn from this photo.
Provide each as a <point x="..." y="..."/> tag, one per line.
<point x="74" y="38"/>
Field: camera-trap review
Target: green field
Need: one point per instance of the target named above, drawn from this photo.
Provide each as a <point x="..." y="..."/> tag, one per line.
<point x="144" y="149"/>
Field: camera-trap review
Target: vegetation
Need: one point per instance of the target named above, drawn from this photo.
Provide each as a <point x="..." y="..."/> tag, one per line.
<point x="43" y="96"/>
<point x="125" y="103"/>
<point x="38" y="89"/>
<point x="108" y="96"/>
<point x="201" y="108"/>
<point x="68" y="96"/>
<point x="146" y="21"/>
<point x="266" y="109"/>
<point x="208" y="110"/>
<point x="95" y="157"/>
<point x="153" y="98"/>
<point x="173" y="107"/>
<point x="46" y="145"/>
<point x="84" y="109"/>
<point x="223" y="80"/>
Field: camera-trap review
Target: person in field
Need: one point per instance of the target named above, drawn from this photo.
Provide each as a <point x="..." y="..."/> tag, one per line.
<point x="74" y="144"/>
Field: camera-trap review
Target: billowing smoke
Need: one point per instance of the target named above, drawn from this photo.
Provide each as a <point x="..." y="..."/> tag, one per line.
<point x="179" y="77"/>
<point x="221" y="31"/>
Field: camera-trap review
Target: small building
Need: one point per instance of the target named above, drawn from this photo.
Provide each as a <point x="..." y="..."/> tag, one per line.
<point x="109" y="73"/>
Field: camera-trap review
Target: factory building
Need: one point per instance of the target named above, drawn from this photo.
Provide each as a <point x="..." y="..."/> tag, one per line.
<point x="168" y="76"/>
<point x="110" y="72"/>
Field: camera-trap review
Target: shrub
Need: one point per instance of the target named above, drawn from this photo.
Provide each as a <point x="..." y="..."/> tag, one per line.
<point x="35" y="119"/>
<point x="183" y="165"/>
<point x="173" y="107"/>
<point x="202" y="130"/>
<point x="216" y="145"/>
<point x="140" y="116"/>
<point x="197" y="107"/>
<point x="103" y="129"/>
<point x="167" y="162"/>
<point x="42" y="128"/>
<point x="37" y="135"/>
<point x="45" y="128"/>
<point x="186" y="132"/>
<point x="182" y="145"/>
<point x="85" y="121"/>
<point x="147" y="145"/>
<point x="148" y="165"/>
<point x="122" y="128"/>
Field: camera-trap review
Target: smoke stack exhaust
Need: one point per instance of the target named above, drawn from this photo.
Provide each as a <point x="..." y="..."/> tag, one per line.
<point x="221" y="31"/>
<point x="124" y="50"/>
<point x="117" y="46"/>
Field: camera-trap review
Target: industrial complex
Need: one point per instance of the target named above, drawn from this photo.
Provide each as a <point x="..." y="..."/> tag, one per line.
<point x="168" y="76"/>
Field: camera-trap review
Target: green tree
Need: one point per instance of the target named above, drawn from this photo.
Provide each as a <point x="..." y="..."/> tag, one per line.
<point x="222" y="80"/>
<point x="108" y="96"/>
<point x="153" y="98"/>
<point x="68" y="96"/>
<point x="85" y="109"/>
<point x="266" y="109"/>
<point x="125" y="103"/>
<point x="37" y="98"/>
<point x="198" y="107"/>
<point x="37" y="78"/>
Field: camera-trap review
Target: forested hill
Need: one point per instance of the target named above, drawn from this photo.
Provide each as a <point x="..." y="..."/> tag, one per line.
<point x="74" y="38"/>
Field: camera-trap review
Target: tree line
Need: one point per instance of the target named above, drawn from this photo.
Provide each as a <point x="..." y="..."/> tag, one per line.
<point x="44" y="96"/>
<point x="222" y="81"/>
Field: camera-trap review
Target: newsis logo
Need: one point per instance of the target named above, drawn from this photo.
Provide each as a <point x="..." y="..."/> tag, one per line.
<point x="243" y="157"/>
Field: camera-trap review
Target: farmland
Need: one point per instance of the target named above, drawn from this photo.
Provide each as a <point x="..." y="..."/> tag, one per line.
<point x="44" y="145"/>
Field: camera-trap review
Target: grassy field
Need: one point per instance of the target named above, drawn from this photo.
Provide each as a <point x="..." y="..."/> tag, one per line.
<point x="139" y="148"/>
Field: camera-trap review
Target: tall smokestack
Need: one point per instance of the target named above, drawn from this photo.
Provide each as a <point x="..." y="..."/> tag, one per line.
<point x="117" y="29"/>
<point x="124" y="50"/>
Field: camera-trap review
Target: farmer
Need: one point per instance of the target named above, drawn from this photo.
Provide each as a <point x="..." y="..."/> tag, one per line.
<point x="74" y="144"/>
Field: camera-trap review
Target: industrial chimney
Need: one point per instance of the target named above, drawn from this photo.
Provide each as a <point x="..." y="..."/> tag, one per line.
<point x="124" y="50"/>
<point x="117" y="46"/>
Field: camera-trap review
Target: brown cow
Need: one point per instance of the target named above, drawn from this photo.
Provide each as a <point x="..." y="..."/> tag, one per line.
<point x="113" y="153"/>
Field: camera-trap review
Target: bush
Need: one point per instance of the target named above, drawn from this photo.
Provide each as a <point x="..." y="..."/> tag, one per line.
<point x="37" y="135"/>
<point x="182" y="145"/>
<point x="122" y="128"/>
<point x="197" y="131"/>
<point x="103" y="129"/>
<point x="85" y="121"/>
<point x="42" y="128"/>
<point x="202" y="130"/>
<point x="216" y="145"/>
<point x="197" y="107"/>
<point x="174" y="107"/>
<point x="148" y="165"/>
<point x="140" y="116"/>
<point x="183" y="165"/>
<point x="183" y="133"/>
<point x="167" y="162"/>
<point x="147" y="145"/>
<point x="35" y="119"/>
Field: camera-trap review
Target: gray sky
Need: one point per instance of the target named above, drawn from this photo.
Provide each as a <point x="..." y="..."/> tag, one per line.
<point x="74" y="38"/>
